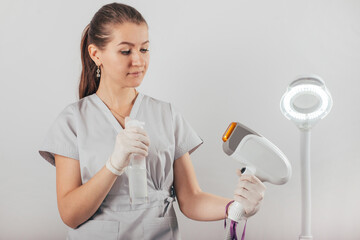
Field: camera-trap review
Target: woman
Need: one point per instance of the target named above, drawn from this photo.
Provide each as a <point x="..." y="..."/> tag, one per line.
<point x="90" y="145"/>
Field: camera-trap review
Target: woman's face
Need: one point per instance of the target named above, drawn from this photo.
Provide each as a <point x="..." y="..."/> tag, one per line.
<point x="125" y="58"/>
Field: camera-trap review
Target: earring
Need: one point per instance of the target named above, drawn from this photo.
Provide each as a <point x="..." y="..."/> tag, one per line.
<point x="98" y="72"/>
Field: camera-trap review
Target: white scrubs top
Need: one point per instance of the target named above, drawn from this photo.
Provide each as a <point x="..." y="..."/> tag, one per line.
<point x="86" y="131"/>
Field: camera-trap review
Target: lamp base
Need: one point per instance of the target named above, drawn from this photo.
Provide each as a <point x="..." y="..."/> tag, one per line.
<point x="305" y="237"/>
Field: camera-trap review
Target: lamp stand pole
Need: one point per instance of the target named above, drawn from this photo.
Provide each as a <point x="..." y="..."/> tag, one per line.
<point x="305" y="184"/>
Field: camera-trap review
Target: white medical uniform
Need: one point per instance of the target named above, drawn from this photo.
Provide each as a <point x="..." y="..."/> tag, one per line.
<point x="86" y="131"/>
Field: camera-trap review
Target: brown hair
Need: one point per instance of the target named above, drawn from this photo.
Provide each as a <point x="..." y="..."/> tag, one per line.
<point x="98" y="32"/>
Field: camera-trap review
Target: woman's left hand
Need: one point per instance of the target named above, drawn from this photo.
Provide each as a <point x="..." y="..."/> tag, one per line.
<point x="249" y="192"/>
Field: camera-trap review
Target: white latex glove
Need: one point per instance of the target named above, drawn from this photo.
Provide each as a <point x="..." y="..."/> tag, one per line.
<point x="130" y="140"/>
<point x="249" y="192"/>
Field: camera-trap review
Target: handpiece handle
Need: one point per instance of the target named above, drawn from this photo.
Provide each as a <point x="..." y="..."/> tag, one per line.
<point x="236" y="210"/>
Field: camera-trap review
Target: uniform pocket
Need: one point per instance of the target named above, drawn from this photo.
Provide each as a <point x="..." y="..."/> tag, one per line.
<point x="95" y="230"/>
<point x="162" y="228"/>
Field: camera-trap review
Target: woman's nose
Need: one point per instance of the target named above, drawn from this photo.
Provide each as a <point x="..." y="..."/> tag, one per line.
<point x="137" y="59"/>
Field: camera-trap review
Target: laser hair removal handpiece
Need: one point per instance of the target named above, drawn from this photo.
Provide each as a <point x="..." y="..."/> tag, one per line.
<point x="257" y="156"/>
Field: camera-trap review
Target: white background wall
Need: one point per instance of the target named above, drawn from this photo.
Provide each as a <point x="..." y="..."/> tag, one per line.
<point x="218" y="62"/>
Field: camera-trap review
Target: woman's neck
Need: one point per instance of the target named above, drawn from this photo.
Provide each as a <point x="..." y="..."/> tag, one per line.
<point x="117" y="97"/>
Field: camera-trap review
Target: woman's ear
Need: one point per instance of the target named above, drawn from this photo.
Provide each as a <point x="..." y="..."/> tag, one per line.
<point x="94" y="54"/>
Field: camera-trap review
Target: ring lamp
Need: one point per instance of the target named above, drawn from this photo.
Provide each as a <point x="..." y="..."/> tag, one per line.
<point x="305" y="102"/>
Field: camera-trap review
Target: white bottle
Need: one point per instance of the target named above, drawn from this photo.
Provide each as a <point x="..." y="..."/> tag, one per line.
<point x="137" y="172"/>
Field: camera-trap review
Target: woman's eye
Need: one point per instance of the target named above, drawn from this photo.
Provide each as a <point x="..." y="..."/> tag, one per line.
<point x="125" y="52"/>
<point x="143" y="50"/>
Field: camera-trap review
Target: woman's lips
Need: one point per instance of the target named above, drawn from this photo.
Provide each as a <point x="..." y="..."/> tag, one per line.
<point x="135" y="74"/>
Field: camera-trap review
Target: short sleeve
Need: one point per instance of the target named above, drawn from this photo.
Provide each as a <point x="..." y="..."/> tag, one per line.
<point x="61" y="138"/>
<point x="186" y="139"/>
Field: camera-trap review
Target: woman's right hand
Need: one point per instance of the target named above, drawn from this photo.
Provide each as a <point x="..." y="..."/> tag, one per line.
<point x="130" y="140"/>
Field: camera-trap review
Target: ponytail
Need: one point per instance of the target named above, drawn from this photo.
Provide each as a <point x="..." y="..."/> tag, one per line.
<point x="89" y="83"/>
